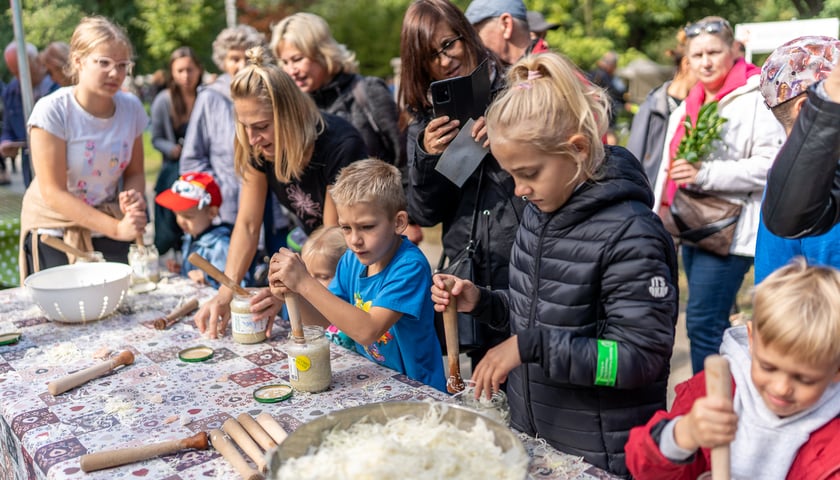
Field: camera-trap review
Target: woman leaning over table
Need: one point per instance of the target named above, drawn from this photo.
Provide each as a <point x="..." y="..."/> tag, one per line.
<point x="284" y="146"/>
<point x="735" y="170"/>
<point x="86" y="145"/>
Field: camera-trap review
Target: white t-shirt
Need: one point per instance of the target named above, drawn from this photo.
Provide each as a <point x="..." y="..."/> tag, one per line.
<point x="98" y="149"/>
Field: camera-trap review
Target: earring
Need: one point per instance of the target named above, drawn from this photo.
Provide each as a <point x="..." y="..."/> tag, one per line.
<point x="524" y="198"/>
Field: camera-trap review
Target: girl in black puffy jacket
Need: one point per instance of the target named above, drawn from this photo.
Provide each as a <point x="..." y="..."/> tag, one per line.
<point x="593" y="299"/>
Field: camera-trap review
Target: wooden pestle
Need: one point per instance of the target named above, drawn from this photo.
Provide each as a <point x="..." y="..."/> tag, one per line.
<point x="122" y="456"/>
<point x="454" y="383"/>
<point x="271" y="427"/>
<point x="256" y="431"/>
<point x="294" y="317"/>
<point x="57" y="387"/>
<point x="169" y="320"/>
<point x="59" y="245"/>
<point x="718" y="384"/>
<point x="215" y="273"/>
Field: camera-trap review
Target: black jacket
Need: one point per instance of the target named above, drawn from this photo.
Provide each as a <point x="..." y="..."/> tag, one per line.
<point x="803" y="187"/>
<point x="602" y="267"/>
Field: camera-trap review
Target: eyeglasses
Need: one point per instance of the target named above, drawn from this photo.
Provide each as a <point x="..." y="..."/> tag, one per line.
<point x="713" y="27"/>
<point x="445" y="48"/>
<point x="108" y="64"/>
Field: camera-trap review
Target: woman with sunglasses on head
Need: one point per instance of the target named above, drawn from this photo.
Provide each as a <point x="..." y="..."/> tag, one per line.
<point x="87" y="154"/>
<point x="438" y="42"/>
<point x="735" y="170"/>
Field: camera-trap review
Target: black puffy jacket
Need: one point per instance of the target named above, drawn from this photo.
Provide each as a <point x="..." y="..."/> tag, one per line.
<point x="602" y="267"/>
<point x="803" y="187"/>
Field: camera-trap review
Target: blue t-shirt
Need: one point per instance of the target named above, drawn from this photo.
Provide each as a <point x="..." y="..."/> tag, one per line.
<point x="410" y="346"/>
<point x="773" y="252"/>
<point x="213" y="245"/>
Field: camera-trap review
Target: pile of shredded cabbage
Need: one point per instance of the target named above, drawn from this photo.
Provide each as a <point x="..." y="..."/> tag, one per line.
<point x="409" y="448"/>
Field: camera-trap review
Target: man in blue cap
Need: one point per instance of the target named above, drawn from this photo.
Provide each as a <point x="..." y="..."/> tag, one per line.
<point x="503" y="28"/>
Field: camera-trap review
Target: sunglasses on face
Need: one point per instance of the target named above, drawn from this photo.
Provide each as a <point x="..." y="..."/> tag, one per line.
<point x="713" y="27"/>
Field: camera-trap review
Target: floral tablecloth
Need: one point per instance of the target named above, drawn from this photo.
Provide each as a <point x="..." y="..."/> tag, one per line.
<point x="160" y="398"/>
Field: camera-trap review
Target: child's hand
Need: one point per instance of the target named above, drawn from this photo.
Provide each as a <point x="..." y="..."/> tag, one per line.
<point x="479" y="131"/>
<point x="285" y="272"/>
<point x="264" y="305"/>
<point x="465" y="290"/>
<point x="132" y="200"/>
<point x="197" y="276"/>
<point x="710" y="423"/>
<point x="493" y="369"/>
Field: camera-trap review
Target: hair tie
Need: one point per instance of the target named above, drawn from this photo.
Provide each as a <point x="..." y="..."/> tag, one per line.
<point x="534" y="74"/>
<point x="524" y="85"/>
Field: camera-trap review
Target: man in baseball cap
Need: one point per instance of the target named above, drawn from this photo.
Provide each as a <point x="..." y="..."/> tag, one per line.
<point x="785" y="77"/>
<point x="195" y="199"/>
<point x="503" y="28"/>
<point x="538" y="25"/>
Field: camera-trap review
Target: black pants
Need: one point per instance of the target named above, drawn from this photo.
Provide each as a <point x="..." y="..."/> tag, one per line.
<point x="112" y="250"/>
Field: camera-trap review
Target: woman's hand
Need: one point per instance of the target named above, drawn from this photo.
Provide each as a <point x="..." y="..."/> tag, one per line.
<point x="286" y="271"/>
<point x="212" y="318"/>
<point x="265" y="306"/>
<point x="493" y="369"/>
<point x="132" y="224"/>
<point x="466" y="292"/>
<point x="712" y="422"/>
<point x="438" y="133"/>
<point x="683" y="172"/>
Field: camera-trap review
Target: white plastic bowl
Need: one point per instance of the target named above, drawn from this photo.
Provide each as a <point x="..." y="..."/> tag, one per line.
<point x="79" y="293"/>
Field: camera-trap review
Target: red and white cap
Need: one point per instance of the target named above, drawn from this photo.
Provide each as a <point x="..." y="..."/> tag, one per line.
<point x="192" y="189"/>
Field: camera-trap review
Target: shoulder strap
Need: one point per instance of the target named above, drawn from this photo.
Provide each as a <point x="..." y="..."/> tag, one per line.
<point x="471" y="244"/>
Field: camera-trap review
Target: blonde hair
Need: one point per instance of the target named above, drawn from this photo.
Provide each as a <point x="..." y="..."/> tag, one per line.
<point x="547" y="100"/>
<point x="373" y="181"/>
<point x="311" y="34"/>
<point x="326" y="242"/>
<point x="297" y="121"/>
<point x="797" y="309"/>
<point x="88" y="35"/>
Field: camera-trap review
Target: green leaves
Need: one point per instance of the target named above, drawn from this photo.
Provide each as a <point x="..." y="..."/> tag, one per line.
<point x="698" y="140"/>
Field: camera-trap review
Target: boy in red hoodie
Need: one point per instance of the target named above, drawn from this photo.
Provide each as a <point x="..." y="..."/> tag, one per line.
<point x="782" y="421"/>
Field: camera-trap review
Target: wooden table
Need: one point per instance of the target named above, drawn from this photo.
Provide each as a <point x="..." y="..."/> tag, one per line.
<point x="42" y="436"/>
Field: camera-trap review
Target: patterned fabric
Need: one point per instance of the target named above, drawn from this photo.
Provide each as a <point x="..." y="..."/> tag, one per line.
<point x="796" y="65"/>
<point x="44" y="436"/>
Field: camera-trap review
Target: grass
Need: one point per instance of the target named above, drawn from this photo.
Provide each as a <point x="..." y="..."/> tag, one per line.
<point x="152" y="159"/>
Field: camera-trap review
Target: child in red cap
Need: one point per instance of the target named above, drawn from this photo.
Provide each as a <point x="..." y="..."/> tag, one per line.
<point x="195" y="199"/>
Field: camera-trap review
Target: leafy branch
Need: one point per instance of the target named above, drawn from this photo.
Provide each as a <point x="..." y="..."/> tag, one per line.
<point x="697" y="141"/>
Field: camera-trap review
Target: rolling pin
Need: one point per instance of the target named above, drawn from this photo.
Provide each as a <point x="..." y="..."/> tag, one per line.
<point x="57" y="387"/>
<point x="122" y="456"/>
<point x="215" y="273"/>
<point x="271" y="427"/>
<point x="169" y="320"/>
<point x="228" y="450"/>
<point x="238" y="434"/>
<point x="256" y="431"/>
<point x="718" y="384"/>
<point x="454" y="383"/>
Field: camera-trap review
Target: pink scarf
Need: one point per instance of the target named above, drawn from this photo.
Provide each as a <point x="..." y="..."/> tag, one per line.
<point x="737" y="77"/>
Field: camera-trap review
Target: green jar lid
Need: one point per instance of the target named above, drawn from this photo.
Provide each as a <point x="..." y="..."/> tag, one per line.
<point x="273" y="393"/>
<point x="9" y="338"/>
<point x="196" y="354"/>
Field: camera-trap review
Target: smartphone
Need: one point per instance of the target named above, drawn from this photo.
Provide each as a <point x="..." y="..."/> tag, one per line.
<point x="462" y="97"/>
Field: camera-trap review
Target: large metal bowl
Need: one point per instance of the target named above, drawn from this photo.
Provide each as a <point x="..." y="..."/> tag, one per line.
<point x="309" y="436"/>
<point x="81" y="292"/>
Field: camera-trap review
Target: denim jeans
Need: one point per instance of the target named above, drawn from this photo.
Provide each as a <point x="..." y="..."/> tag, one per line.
<point x="713" y="284"/>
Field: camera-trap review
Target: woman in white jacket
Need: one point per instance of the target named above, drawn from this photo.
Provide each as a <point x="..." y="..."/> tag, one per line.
<point x="735" y="170"/>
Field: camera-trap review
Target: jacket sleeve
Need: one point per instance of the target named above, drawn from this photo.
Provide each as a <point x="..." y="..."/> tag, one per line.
<point x="639" y="306"/>
<point x="646" y="461"/>
<point x="161" y="139"/>
<point x="386" y="116"/>
<point x="431" y="196"/>
<point x="195" y="157"/>
<point x="803" y="188"/>
<point x="493" y="309"/>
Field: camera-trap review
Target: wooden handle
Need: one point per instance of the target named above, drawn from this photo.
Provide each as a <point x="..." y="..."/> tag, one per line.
<point x="454" y="383"/>
<point x="294" y="317"/>
<point x="215" y="273"/>
<point x="59" y="245"/>
<point x="169" y="320"/>
<point x="139" y="241"/>
<point x="238" y="434"/>
<point x="270" y="425"/>
<point x="57" y="387"/>
<point x="719" y="384"/>
<point x="231" y="454"/>
<point x="122" y="456"/>
<point x="256" y="431"/>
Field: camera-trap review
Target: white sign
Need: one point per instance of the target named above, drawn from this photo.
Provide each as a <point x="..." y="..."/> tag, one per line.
<point x="766" y="36"/>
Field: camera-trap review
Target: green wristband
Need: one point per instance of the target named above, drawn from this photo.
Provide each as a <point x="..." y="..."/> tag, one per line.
<point x="607" y="370"/>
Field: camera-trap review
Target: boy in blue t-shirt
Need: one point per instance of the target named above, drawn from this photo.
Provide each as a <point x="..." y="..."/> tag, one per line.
<point x="195" y="199"/>
<point x="380" y="294"/>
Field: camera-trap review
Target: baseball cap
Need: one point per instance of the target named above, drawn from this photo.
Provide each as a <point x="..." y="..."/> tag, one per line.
<point x="480" y="10"/>
<point x="537" y="22"/>
<point x="192" y="189"/>
<point x="796" y="65"/>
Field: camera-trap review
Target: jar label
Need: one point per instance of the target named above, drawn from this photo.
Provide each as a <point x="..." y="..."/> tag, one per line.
<point x="293" y="371"/>
<point x="303" y="363"/>
<point x="244" y="323"/>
